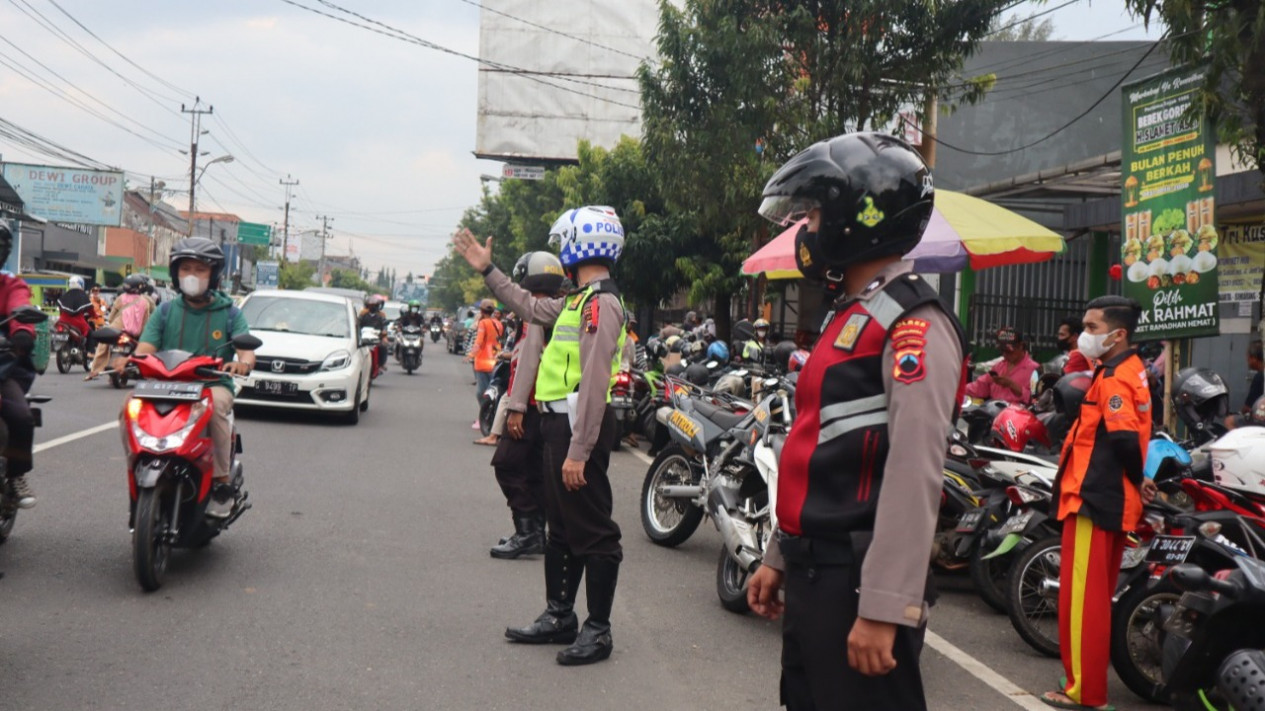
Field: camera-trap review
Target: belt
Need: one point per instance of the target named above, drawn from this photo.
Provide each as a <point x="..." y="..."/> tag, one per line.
<point x="553" y="407"/>
<point x="809" y="552"/>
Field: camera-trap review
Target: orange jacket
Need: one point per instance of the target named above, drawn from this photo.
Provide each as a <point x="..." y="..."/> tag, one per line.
<point x="1100" y="470"/>
<point x="487" y="344"/>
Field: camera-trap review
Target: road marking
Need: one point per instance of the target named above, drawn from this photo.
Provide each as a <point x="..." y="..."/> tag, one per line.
<point x="984" y="673"/>
<point x="113" y="424"/>
<point x="975" y="667"/>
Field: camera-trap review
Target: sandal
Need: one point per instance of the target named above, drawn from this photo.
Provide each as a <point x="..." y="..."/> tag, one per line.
<point x="91" y="376"/>
<point x="486" y="442"/>
<point x="1060" y="700"/>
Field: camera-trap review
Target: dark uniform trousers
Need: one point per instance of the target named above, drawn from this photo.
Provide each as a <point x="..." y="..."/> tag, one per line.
<point x="580" y="520"/>
<point x="17" y="426"/>
<point x="518" y="465"/>
<point x="821" y="583"/>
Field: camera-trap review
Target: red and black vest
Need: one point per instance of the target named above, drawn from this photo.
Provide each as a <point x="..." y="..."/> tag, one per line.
<point x="831" y="468"/>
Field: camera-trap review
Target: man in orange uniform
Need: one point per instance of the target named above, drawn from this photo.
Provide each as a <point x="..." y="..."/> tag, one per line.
<point x="1098" y="495"/>
<point x="487" y="343"/>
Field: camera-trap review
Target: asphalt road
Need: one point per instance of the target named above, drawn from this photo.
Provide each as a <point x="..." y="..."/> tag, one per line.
<point x="361" y="580"/>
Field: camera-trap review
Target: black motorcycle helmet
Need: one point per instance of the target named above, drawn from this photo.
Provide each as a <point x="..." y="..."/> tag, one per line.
<point x="874" y="192"/>
<point x="133" y="284"/>
<point x="1200" y="397"/>
<point x="539" y="273"/>
<point x="676" y="369"/>
<point x="782" y="355"/>
<point x="1069" y="393"/>
<point x="698" y="374"/>
<point x="6" y="243"/>
<point x="201" y="249"/>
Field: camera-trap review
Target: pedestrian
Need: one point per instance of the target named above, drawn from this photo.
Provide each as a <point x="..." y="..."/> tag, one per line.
<point x="1069" y="332"/>
<point x="1098" y="495"/>
<point x="577" y="426"/>
<point x="519" y="458"/>
<point x="860" y="476"/>
<point x="487" y="343"/>
<point x="1012" y="378"/>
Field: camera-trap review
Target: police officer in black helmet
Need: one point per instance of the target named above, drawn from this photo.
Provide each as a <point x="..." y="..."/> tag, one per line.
<point x="860" y="475"/>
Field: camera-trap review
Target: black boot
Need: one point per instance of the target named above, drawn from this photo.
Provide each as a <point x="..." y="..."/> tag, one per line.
<point x="528" y="539"/>
<point x="594" y="641"/>
<point x="558" y="623"/>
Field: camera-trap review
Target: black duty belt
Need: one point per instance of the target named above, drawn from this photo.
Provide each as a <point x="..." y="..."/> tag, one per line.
<point x="805" y="551"/>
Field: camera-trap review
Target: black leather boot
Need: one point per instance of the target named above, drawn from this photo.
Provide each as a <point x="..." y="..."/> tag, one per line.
<point x="558" y="623"/>
<point x="594" y="641"/>
<point x="528" y="539"/>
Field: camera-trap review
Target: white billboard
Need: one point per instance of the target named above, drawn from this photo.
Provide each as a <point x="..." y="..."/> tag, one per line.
<point x="581" y="60"/>
<point x="74" y="195"/>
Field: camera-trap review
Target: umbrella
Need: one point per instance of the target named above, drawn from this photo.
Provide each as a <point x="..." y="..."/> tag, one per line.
<point x="963" y="230"/>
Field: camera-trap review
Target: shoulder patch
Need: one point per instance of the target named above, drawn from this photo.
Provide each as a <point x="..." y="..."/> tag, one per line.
<point x="851" y="331"/>
<point x="1115" y="403"/>
<point x="909" y="341"/>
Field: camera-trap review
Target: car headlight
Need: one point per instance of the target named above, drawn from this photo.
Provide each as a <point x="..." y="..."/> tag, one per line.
<point x="336" y="361"/>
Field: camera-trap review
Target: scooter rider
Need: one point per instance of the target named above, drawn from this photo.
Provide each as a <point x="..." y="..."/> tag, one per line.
<point x="573" y="386"/>
<point x="519" y="458"/>
<point x="75" y="306"/>
<point x="202" y="322"/>
<point x="18" y="431"/>
<point x="371" y="316"/>
<point x="860" y="477"/>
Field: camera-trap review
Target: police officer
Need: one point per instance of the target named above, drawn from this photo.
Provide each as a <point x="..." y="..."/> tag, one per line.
<point x="519" y="455"/>
<point x="577" y="426"/>
<point x="860" y="476"/>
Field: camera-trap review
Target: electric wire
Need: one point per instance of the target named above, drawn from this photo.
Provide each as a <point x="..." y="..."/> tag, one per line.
<point x="546" y="28"/>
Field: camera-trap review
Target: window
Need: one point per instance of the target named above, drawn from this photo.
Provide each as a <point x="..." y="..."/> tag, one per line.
<point x="317" y="318"/>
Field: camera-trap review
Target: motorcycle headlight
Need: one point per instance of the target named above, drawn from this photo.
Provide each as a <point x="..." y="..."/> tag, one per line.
<point x="174" y="440"/>
<point x="336" y="360"/>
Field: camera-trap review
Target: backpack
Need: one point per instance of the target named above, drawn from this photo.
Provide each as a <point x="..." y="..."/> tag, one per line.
<point x="133" y="317"/>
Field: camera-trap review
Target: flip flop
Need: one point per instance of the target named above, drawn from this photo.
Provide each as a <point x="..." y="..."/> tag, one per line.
<point x="1059" y="703"/>
<point x="484" y="443"/>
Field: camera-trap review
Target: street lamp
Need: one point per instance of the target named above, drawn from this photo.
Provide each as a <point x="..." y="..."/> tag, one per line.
<point x="194" y="184"/>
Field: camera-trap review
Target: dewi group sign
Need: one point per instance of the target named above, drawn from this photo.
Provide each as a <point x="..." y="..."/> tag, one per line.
<point x="88" y="197"/>
<point x="1169" y="248"/>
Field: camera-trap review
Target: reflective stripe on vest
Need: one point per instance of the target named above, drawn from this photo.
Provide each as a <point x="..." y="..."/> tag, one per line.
<point x="559" y="373"/>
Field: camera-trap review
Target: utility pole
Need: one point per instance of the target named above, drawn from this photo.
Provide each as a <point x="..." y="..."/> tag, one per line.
<point x="324" y="238"/>
<point x="195" y="130"/>
<point x="286" y="229"/>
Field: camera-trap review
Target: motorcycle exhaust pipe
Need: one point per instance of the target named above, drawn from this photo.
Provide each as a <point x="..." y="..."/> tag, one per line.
<point x="680" y="491"/>
<point x="739" y="539"/>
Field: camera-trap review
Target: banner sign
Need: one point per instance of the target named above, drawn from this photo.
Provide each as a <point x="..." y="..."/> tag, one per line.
<point x="88" y="197"/>
<point x="293" y="242"/>
<point x="267" y="275"/>
<point x="254" y="233"/>
<point x="1169" y="248"/>
<point x="1242" y="262"/>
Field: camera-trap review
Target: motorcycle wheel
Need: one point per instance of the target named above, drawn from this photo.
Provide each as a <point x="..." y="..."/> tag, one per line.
<point x="487" y="413"/>
<point x="149" y="552"/>
<point x="621" y="431"/>
<point x="731" y="584"/>
<point x="8" y="512"/>
<point x="1033" y="607"/>
<point x="87" y="362"/>
<point x="118" y="381"/>
<point x="63" y="360"/>
<point x="1137" y="639"/>
<point x="990" y="577"/>
<point x="669" y="522"/>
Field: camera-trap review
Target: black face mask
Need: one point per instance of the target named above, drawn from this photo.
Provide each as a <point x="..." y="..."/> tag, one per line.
<point x="808" y="255"/>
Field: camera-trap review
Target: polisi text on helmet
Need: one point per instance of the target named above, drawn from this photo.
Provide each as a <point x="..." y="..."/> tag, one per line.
<point x="605" y="227"/>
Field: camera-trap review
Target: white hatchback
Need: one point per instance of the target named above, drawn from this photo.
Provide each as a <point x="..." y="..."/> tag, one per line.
<point x="311" y="358"/>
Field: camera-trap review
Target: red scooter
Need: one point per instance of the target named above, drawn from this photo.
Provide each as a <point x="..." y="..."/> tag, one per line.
<point x="170" y="456"/>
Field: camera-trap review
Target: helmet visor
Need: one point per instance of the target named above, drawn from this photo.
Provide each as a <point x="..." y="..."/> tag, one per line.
<point x="787" y="209"/>
<point x="555" y="239"/>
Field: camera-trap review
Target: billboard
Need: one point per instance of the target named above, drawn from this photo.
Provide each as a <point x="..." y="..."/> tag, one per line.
<point x="86" y="197"/>
<point x="1241" y="262"/>
<point x="267" y="275"/>
<point x="293" y="242"/>
<point x="581" y="62"/>
<point x="1169" y="248"/>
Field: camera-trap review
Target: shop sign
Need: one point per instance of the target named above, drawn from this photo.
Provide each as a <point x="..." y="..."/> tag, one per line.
<point x="74" y="195"/>
<point x="1169" y="248"/>
<point x="1242" y="262"/>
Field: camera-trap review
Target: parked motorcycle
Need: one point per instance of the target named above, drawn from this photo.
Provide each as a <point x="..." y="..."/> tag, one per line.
<point x="166" y="429"/>
<point x="8" y="498"/>
<point x="409" y="348"/>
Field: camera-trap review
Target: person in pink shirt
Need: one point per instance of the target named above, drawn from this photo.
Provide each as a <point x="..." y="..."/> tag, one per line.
<point x="1011" y="379"/>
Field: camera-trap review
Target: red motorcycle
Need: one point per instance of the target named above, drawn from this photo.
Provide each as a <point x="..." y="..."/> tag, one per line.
<point x="70" y="346"/>
<point x="170" y="456"/>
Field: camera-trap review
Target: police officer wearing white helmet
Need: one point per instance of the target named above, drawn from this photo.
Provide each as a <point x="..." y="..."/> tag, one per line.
<point x="577" y="425"/>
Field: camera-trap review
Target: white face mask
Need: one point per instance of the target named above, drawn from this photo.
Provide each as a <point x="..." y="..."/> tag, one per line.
<point x="1093" y="345"/>
<point x="192" y="286"/>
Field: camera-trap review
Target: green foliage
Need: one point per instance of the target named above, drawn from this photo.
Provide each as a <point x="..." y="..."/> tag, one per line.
<point x="296" y="275"/>
<point x="1230" y="36"/>
<point x="350" y="279"/>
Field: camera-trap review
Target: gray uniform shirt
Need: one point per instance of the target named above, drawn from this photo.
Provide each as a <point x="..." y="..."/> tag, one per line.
<point x="920" y="415"/>
<point x="598" y="343"/>
<point x="527" y="353"/>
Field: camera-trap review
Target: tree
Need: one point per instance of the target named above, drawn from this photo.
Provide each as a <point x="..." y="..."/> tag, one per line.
<point x="350" y="279"/>
<point x="296" y="275"/>
<point x="1230" y="36"/>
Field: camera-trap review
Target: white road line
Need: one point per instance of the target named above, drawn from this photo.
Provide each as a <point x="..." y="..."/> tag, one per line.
<point x="975" y="667"/>
<point x="984" y="673"/>
<point x="113" y="424"/>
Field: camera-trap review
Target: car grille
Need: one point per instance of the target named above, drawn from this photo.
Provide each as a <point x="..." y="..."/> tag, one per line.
<point x="301" y="397"/>
<point x="294" y="366"/>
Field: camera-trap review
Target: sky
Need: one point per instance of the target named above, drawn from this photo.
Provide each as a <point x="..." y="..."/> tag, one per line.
<point x="379" y="133"/>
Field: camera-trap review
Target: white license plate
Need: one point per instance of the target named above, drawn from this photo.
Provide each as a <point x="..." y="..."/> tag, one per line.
<point x="276" y="387"/>
<point x="1017" y="524"/>
<point x="1170" y="550"/>
<point x="970" y="520"/>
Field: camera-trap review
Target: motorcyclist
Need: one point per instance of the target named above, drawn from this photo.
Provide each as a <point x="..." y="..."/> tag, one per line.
<point x="18" y="426"/>
<point x="129" y="313"/>
<point x="203" y="322"/>
<point x="411" y="315"/>
<point x="371" y="316"/>
<point x="753" y="349"/>
<point x="75" y="306"/>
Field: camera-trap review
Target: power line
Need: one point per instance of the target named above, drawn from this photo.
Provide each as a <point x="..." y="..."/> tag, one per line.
<point x="1029" y="18"/>
<point x="581" y="40"/>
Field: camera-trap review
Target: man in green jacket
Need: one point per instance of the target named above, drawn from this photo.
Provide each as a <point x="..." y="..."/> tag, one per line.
<point x="203" y="321"/>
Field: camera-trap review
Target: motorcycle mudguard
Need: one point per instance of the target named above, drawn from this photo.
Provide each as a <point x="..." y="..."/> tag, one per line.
<point x="1007" y="545"/>
<point x="147" y="473"/>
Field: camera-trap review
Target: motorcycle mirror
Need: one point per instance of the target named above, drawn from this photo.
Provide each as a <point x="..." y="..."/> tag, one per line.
<point x="770" y="383"/>
<point x="1189" y="577"/>
<point x="106" y="335"/>
<point x="29" y="315"/>
<point x="246" y="342"/>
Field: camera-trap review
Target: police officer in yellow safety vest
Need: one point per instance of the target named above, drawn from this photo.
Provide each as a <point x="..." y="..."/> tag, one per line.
<point x="577" y="426"/>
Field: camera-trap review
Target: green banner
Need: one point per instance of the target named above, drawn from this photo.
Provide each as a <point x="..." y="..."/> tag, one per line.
<point x="254" y="233"/>
<point x="1169" y="247"/>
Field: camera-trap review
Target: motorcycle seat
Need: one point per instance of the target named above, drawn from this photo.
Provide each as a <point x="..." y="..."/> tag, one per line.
<point x="719" y="415"/>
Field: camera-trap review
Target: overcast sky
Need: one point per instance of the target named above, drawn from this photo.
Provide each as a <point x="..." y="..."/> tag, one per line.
<point x="379" y="132"/>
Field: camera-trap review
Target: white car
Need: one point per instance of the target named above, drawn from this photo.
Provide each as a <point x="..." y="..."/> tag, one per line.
<point x="312" y="357"/>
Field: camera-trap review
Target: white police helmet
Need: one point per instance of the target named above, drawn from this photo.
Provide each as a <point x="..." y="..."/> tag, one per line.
<point x="587" y="233"/>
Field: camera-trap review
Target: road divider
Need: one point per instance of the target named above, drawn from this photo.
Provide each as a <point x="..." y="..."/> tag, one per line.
<point x="67" y="439"/>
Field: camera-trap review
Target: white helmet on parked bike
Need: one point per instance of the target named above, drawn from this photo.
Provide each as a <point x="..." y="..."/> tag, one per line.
<point x="1238" y="460"/>
<point x="588" y="233"/>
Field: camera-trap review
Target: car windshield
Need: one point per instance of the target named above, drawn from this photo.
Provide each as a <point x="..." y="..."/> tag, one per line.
<point x="278" y="313"/>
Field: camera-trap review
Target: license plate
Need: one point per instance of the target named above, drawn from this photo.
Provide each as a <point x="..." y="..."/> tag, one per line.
<point x="970" y="520"/>
<point x="1017" y="524"/>
<point x="621" y="401"/>
<point x="276" y="387"/>
<point x="60" y="338"/>
<point x="1170" y="550"/>
<point x="167" y="390"/>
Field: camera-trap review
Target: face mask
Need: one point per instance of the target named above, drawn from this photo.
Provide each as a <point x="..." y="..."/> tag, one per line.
<point x="1093" y="345"/>
<point x="808" y="255"/>
<point x="192" y="286"/>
